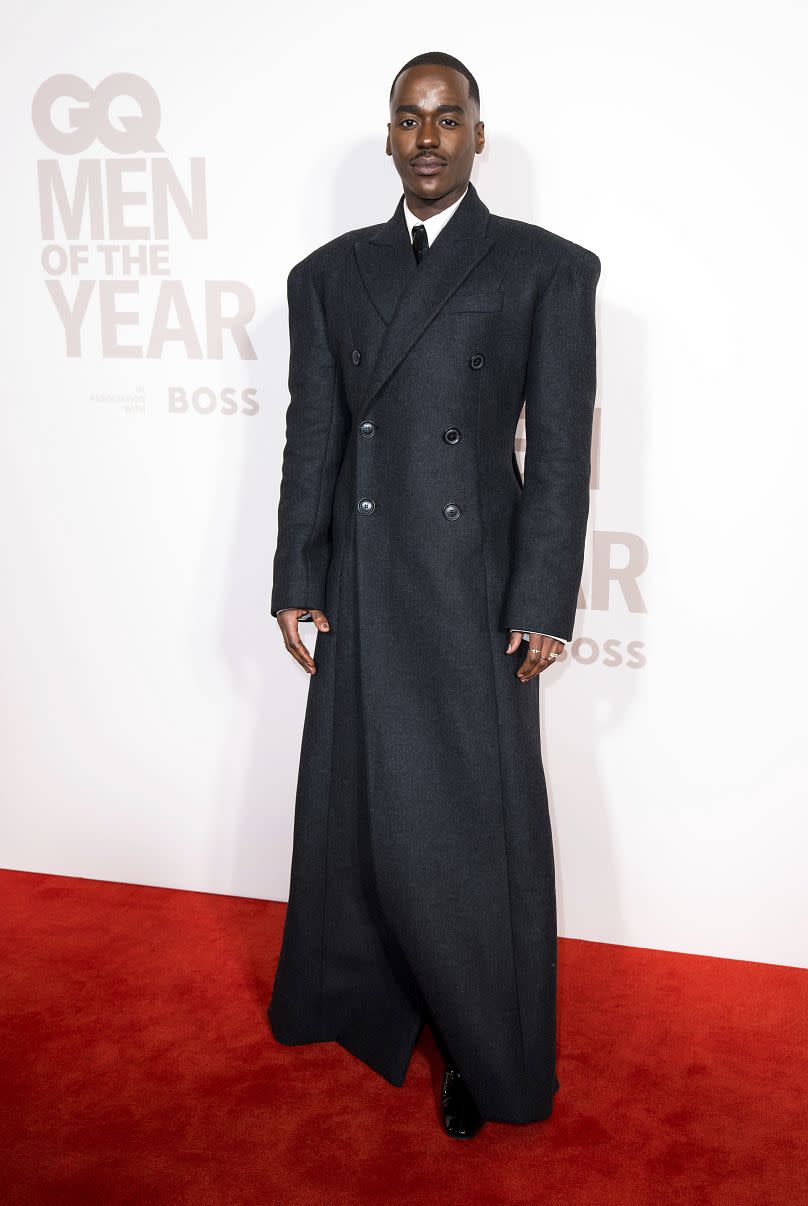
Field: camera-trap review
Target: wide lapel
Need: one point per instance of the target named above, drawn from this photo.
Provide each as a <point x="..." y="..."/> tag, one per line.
<point x="410" y="296"/>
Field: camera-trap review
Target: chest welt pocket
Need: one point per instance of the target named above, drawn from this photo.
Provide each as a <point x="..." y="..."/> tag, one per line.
<point x="466" y="302"/>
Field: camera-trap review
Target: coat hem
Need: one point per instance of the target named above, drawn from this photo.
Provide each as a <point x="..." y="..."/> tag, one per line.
<point x="395" y="1077"/>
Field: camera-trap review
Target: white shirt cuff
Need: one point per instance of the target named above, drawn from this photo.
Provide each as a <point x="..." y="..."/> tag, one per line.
<point x="526" y="635"/>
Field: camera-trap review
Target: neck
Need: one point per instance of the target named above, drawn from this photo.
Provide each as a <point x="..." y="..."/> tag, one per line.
<point x="427" y="208"/>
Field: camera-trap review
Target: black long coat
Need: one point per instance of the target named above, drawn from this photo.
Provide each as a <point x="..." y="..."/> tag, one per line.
<point x="422" y="871"/>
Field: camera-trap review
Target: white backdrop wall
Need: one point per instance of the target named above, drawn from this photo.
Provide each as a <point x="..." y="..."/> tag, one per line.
<point x="152" y="717"/>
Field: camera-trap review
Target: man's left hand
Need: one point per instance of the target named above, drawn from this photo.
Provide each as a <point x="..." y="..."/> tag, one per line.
<point x="540" y="655"/>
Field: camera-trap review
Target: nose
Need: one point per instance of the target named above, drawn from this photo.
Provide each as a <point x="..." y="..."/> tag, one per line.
<point x="428" y="135"/>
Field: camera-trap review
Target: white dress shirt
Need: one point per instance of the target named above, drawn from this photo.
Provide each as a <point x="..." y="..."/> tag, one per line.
<point x="433" y="226"/>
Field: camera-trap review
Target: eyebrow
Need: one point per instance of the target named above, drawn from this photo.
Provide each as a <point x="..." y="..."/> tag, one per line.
<point x="438" y="109"/>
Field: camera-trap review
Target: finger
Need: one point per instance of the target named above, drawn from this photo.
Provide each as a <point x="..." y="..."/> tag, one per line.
<point x="289" y="622"/>
<point x="532" y="665"/>
<point x="514" y="641"/>
<point x="301" y="654"/>
<point x="550" y="651"/>
<point x="539" y="657"/>
<point x="320" y="619"/>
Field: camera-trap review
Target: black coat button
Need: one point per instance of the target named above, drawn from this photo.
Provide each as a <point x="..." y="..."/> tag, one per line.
<point x="356" y="356"/>
<point x="366" y="505"/>
<point x="477" y="360"/>
<point x="451" y="435"/>
<point x="367" y="428"/>
<point x="451" y="511"/>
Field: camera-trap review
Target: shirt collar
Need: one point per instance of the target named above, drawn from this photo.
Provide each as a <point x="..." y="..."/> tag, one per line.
<point x="436" y="223"/>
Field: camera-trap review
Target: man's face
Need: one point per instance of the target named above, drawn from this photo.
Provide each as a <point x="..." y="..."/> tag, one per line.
<point x="434" y="133"/>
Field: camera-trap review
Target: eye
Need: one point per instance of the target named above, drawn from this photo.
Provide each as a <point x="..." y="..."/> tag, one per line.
<point x="452" y="120"/>
<point x="406" y="119"/>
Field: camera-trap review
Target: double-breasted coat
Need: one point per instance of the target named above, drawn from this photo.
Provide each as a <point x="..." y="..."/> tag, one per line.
<point x="422" y="879"/>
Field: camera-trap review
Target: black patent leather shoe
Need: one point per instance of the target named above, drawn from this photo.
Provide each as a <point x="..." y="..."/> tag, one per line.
<point x="461" y="1118"/>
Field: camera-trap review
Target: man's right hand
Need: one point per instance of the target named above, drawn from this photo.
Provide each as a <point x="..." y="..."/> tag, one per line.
<point x="288" y="621"/>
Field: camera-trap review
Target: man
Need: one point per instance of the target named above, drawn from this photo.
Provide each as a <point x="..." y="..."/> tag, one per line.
<point x="422" y="882"/>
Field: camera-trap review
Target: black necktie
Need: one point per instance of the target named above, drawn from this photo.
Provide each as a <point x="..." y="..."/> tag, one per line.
<point x="420" y="243"/>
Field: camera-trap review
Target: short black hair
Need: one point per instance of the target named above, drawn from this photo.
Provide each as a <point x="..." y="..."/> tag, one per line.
<point x="440" y="59"/>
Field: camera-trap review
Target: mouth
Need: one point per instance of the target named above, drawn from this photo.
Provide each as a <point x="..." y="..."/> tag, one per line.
<point x="427" y="166"/>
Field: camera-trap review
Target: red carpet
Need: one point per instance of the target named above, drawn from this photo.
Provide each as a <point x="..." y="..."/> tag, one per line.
<point x="138" y="1067"/>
